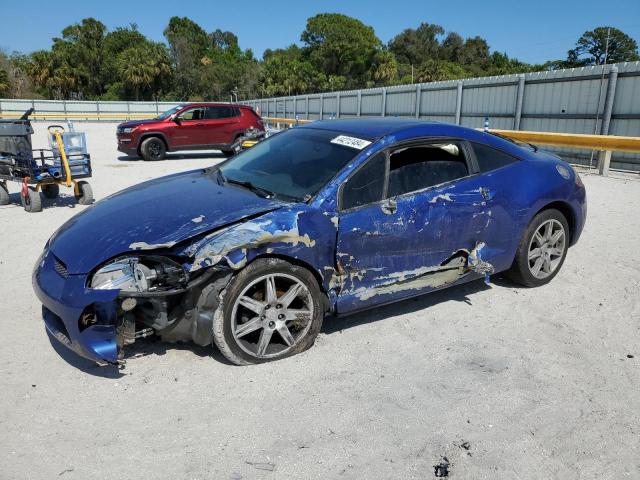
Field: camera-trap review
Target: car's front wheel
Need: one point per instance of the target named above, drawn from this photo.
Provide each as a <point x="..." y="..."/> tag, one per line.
<point x="542" y="249"/>
<point x="152" y="149"/>
<point x="270" y="310"/>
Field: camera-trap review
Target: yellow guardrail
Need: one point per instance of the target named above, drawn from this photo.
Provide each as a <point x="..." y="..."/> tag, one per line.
<point x="575" y="140"/>
<point x="286" y="121"/>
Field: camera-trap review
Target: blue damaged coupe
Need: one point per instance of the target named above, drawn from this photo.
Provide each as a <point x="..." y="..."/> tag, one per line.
<point x="336" y="216"/>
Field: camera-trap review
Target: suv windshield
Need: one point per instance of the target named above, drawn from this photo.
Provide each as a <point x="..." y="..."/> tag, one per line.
<point x="168" y="113"/>
<point x="294" y="164"/>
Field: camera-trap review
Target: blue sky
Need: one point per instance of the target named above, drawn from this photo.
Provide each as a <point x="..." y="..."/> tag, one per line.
<point x="532" y="31"/>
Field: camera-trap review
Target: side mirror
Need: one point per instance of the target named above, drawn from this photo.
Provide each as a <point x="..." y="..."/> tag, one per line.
<point x="175" y="118"/>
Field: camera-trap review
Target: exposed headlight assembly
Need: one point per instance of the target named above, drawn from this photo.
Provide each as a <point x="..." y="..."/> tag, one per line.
<point x="140" y="274"/>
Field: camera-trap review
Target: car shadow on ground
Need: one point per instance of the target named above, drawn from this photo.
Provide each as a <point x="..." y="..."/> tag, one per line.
<point x="178" y="156"/>
<point x="459" y="293"/>
<point x="142" y="348"/>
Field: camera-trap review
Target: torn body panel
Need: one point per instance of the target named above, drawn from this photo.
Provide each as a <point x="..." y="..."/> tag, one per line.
<point x="463" y="265"/>
<point x="301" y="233"/>
<point x="427" y="228"/>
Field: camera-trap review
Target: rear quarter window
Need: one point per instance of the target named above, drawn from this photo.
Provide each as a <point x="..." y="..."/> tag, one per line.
<point x="490" y="158"/>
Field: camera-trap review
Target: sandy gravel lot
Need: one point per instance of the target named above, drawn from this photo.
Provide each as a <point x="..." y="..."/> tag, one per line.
<point x="507" y="383"/>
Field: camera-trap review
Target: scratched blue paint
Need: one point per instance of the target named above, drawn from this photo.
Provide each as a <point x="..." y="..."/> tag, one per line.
<point x="362" y="257"/>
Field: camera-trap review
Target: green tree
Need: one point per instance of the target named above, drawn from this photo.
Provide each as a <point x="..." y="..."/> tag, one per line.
<point x="80" y="51"/>
<point x="451" y="47"/>
<point x="41" y="69"/>
<point x="340" y="46"/>
<point x="144" y="68"/>
<point x="385" y="67"/>
<point x="591" y="47"/>
<point x="188" y="47"/>
<point x="114" y="44"/>
<point x="286" y="72"/>
<point x="417" y="46"/>
<point x="475" y="53"/>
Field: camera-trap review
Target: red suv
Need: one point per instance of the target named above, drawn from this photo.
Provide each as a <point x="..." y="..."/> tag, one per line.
<point x="195" y="126"/>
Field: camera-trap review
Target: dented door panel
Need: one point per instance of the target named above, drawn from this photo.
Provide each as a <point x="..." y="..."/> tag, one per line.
<point x="423" y="245"/>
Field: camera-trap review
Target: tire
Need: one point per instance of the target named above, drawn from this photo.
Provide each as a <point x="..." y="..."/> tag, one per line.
<point x="544" y="254"/>
<point x="229" y="152"/>
<point x="263" y="320"/>
<point x="153" y="149"/>
<point x="32" y="202"/>
<point x="85" y="195"/>
<point x="4" y="194"/>
<point x="51" y="190"/>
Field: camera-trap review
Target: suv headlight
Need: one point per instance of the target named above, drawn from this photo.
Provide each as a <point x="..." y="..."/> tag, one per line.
<point x="139" y="274"/>
<point x="128" y="129"/>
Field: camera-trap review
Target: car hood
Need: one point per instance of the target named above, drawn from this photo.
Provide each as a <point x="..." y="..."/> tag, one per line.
<point x="154" y="215"/>
<point x="136" y="123"/>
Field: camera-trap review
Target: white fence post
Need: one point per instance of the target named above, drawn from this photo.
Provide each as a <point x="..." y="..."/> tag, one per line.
<point x="519" y="100"/>
<point x="459" y="103"/>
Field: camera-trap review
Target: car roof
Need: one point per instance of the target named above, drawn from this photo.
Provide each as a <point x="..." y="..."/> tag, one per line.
<point x="368" y="127"/>
<point x="375" y="128"/>
<point x="213" y="104"/>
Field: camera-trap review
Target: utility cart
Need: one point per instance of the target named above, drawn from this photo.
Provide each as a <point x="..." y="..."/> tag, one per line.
<point x="43" y="170"/>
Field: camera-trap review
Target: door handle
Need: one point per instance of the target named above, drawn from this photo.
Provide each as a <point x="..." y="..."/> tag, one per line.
<point x="389" y="207"/>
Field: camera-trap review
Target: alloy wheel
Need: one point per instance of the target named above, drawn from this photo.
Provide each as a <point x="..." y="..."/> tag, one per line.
<point x="546" y="249"/>
<point x="272" y="315"/>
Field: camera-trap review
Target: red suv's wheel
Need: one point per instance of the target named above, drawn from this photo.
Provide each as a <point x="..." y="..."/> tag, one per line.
<point x="152" y="149"/>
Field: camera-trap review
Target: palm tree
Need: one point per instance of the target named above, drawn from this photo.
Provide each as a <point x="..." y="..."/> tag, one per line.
<point x="41" y="68"/>
<point x="143" y="66"/>
<point x="136" y="69"/>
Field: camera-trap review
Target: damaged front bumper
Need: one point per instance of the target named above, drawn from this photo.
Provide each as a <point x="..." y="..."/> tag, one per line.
<point x="98" y="324"/>
<point x="82" y="319"/>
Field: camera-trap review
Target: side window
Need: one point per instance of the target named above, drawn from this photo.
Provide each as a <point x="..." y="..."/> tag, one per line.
<point x="490" y="158"/>
<point x="216" y="113"/>
<point x="422" y="166"/>
<point x="193" y="114"/>
<point x="366" y="185"/>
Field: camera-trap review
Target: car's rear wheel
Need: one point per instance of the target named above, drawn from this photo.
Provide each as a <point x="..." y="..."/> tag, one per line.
<point x="235" y="147"/>
<point x="270" y="310"/>
<point x="542" y="250"/>
<point x="153" y="149"/>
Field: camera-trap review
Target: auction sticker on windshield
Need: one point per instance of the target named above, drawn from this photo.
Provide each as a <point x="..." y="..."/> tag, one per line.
<point x="352" y="142"/>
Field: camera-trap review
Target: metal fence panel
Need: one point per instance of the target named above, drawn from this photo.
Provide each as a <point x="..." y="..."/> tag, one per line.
<point x="441" y="102"/>
<point x="371" y="103"/>
<point x="348" y="104"/>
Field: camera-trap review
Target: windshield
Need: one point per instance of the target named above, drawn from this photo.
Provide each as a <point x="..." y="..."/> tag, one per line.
<point x="294" y="164"/>
<point x="168" y="113"/>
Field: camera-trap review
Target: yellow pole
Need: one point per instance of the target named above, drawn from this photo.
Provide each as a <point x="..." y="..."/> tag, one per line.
<point x="57" y="132"/>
